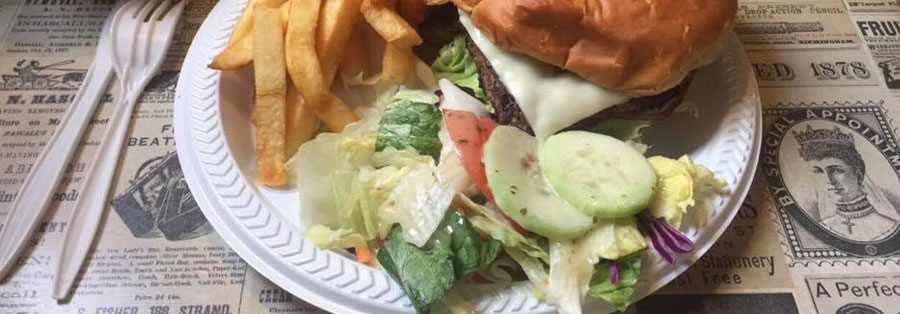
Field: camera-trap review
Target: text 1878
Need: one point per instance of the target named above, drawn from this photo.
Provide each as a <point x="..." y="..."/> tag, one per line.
<point x="840" y="69"/>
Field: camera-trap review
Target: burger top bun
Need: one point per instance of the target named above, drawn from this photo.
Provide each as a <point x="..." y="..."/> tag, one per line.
<point x="637" y="47"/>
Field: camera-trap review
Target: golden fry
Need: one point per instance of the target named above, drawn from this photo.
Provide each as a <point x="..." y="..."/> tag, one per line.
<point x="435" y="2"/>
<point x="236" y="55"/>
<point x="397" y="65"/>
<point x="300" y="50"/>
<point x="239" y="52"/>
<point x="270" y="89"/>
<point x="301" y="121"/>
<point x="354" y="61"/>
<point x="335" y="114"/>
<point x="285" y="9"/>
<point x="390" y="25"/>
<point x="304" y="67"/>
<point x="336" y="21"/>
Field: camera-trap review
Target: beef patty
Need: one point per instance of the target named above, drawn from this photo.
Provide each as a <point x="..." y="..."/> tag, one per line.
<point x="507" y="111"/>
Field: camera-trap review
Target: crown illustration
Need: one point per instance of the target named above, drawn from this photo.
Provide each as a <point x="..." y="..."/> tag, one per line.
<point x="834" y="136"/>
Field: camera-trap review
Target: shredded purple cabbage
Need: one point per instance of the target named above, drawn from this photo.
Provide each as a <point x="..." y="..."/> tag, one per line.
<point x="663" y="251"/>
<point x="666" y="239"/>
<point x="674" y="239"/>
<point x="613" y="272"/>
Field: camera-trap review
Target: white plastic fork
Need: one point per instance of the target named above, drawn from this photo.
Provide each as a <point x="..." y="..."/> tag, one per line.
<point x="141" y="35"/>
<point x="34" y="195"/>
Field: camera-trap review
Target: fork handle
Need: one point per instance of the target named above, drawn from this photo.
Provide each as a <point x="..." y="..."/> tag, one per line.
<point x="85" y="216"/>
<point x="35" y="193"/>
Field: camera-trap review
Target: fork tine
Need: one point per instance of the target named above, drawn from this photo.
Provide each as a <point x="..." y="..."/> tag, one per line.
<point x="131" y="8"/>
<point x="149" y="10"/>
<point x="138" y="11"/>
<point x="174" y="11"/>
<point x="173" y="6"/>
<point x="161" y="8"/>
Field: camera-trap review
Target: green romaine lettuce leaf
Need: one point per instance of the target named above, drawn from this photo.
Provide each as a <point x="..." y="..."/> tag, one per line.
<point x="456" y="64"/>
<point x="470" y="252"/>
<point x="619" y="294"/>
<point x="408" y="122"/>
<point x="428" y="273"/>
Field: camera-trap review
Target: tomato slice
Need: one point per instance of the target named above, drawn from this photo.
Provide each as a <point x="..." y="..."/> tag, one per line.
<point x="469" y="133"/>
<point x="466" y="135"/>
<point x="486" y="126"/>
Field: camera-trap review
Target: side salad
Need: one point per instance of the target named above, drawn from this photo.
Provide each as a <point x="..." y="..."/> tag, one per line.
<point x="428" y="187"/>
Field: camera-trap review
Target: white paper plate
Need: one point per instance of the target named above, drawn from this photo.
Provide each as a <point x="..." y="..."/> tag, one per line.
<point x="215" y="145"/>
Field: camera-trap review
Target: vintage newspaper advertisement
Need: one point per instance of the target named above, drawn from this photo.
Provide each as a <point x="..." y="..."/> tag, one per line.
<point x="878" y="23"/>
<point x="156" y="253"/>
<point x="829" y="158"/>
<point x="818" y="232"/>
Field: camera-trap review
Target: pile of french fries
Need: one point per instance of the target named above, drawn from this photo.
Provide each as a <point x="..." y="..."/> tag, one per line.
<point x="297" y="47"/>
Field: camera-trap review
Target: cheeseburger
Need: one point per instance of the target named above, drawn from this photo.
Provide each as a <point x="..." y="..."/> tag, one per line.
<point x="550" y="65"/>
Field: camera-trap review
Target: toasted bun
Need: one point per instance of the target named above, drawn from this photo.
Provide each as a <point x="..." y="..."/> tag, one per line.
<point x="638" y="47"/>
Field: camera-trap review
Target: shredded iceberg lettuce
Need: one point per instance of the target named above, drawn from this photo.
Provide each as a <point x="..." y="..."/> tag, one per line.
<point x="617" y="292"/>
<point x="628" y="131"/>
<point x="417" y="203"/>
<point x="347" y="188"/>
<point x="572" y="262"/>
<point x="611" y="239"/>
<point x="327" y="238"/>
<point x="679" y="184"/>
<point x="491" y="224"/>
<point x="311" y="171"/>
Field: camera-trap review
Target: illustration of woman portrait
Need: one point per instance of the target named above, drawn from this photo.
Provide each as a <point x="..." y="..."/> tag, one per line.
<point x="847" y="202"/>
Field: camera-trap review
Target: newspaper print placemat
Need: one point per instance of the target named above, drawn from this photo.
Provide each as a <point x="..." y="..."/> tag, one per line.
<point x="818" y="233"/>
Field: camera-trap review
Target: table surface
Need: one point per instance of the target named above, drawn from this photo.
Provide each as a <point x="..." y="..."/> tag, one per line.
<point x="826" y="65"/>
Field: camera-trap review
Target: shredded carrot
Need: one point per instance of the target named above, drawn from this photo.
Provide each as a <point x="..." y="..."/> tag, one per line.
<point x="363" y="254"/>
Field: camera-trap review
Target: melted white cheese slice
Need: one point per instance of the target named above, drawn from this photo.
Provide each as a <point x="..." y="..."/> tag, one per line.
<point x="551" y="99"/>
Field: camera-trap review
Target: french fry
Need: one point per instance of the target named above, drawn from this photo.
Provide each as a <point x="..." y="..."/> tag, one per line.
<point x="354" y="61"/>
<point x="239" y="51"/>
<point x="336" y="21"/>
<point x="300" y="49"/>
<point x="334" y="113"/>
<point x="413" y="11"/>
<point x="397" y="65"/>
<point x="435" y="2"/>
<point x="270" y="89"/>
<point x="390" y="25"/>
<point x="236" y="55"/>
<point x="305" y="70"/>
<point x="301" y="121"/>
<point x="285" y="9"/>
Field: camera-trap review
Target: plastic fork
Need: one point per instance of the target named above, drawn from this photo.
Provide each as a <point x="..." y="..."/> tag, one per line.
<point x="141" y="35"/>
<point x="34" y="195"/>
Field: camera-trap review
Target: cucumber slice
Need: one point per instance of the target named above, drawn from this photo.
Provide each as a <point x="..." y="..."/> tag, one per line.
<point x="598" y="174"/>
<point x="514" y="175"/>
